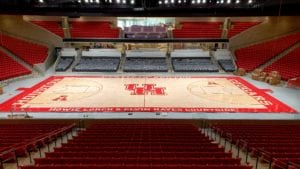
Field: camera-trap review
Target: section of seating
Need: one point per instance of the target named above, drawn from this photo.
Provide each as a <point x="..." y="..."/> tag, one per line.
<point x="66" y="58"/>
<point x="145" y="32"/>
<point x="287" y="66"/>
<point x="52" y="26"/>
<point x="146" y="60"/>
<point x="139" y="146"/>
<point x="253" y="56"/>
<point x="199" y="30"/>
<point x="64" y="63"/>
<point x="227" y="65"/>
<point x="99" y="60"/>
<point x="145" y="65"/>
<point x="192" y="60"/>
<point x="93" y="29"/>
<point x="97" y="64"/>
<point x="9" y="68"/>
<point x="193" y="65"/>
<point x="276" y="143"/>
<point x="224" y="58"/>
<point x="238" y="27"/>
<point x="17" y="139"/>
<point x="31" y="53"/>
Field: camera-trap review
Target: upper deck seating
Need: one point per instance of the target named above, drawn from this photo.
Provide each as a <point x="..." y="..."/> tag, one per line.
<point x="199" y="30"/>
<point x="239" y="27"/>
<point x="52" y="26"/>
<point x="93" y="29"/>
<point x="145" y="32"/>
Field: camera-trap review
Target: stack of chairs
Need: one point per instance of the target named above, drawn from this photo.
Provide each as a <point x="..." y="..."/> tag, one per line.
<point x="99" y="60"/>
<point x="139" y="146"/>
<point x="273" y="78"/>
<point x="19" y="139"/>
<point x="277" y="144"/>
<point x="192" y="60"/>
<point x="258" y="74"/>
<point x="145" y="61"/>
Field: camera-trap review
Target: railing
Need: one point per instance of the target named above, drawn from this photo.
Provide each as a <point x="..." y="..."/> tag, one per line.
<point x="16" y="150"/>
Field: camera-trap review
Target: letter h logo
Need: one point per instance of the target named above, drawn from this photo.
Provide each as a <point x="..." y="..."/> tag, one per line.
<point x="146" y="89"/>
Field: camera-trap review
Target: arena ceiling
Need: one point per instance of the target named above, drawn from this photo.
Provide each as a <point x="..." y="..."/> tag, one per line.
<point x="152" y="7"/>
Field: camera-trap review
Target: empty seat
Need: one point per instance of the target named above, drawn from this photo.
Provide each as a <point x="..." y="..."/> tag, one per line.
<point x="199" y="30"/>
<point x="145" y="65"/>
<point x="193" y="65"/>
<point x="287" y="66"/>
<point x="9" y="68"/>
<point x="239" y="27"/>
<point x="97" y="64"/>
<point x="253" y="56"/>
<point x="93" y="29"/>
<point x="64" y="63"/>
<point x="31" y="53"/>
<point x="149" y="146"/>
<point x="52" y="26"/>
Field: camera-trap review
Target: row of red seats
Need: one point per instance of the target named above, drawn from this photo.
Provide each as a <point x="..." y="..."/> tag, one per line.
<point x="52" y="26"/>
<point x="138" y="144"/>
<point x="199" y="30"/>
<point x="271" y="142"/>
<point x="134" y="154"/>
<point x="93" y="29"/>
<point x="287" y="66"/>
<point x="140" y="161"/>
<point x="280" y="163"/>
<point x="238" y="27"/>
<point x="85" y="151"/>
<point x="147" y="149"/>
<point x="29" y="52"/>
<point x="33" y="140"/>
<point x="9" y="68"/>
<point x="96" y="166"/>
<point x="253" y="56"/>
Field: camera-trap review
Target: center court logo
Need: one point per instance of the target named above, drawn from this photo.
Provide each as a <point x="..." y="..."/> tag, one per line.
<point x="145" y="89"/>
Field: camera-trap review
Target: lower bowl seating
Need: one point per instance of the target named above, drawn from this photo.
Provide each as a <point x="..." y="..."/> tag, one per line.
<point x="145" y="65"/>
<point x="193" y="65"/>
<point x="97" y="64"/>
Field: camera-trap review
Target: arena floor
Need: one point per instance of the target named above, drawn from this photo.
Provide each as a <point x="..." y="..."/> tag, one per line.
<point x="177" y="94"/>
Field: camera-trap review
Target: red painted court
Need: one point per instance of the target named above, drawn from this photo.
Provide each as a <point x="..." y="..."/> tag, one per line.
<point x="144" y="94"/>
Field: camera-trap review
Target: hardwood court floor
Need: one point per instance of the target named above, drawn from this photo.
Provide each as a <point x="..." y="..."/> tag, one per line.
<point x="144" y="94"/>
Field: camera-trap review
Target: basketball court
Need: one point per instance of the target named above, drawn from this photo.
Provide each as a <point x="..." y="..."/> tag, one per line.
<point x="144" y="94"/>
